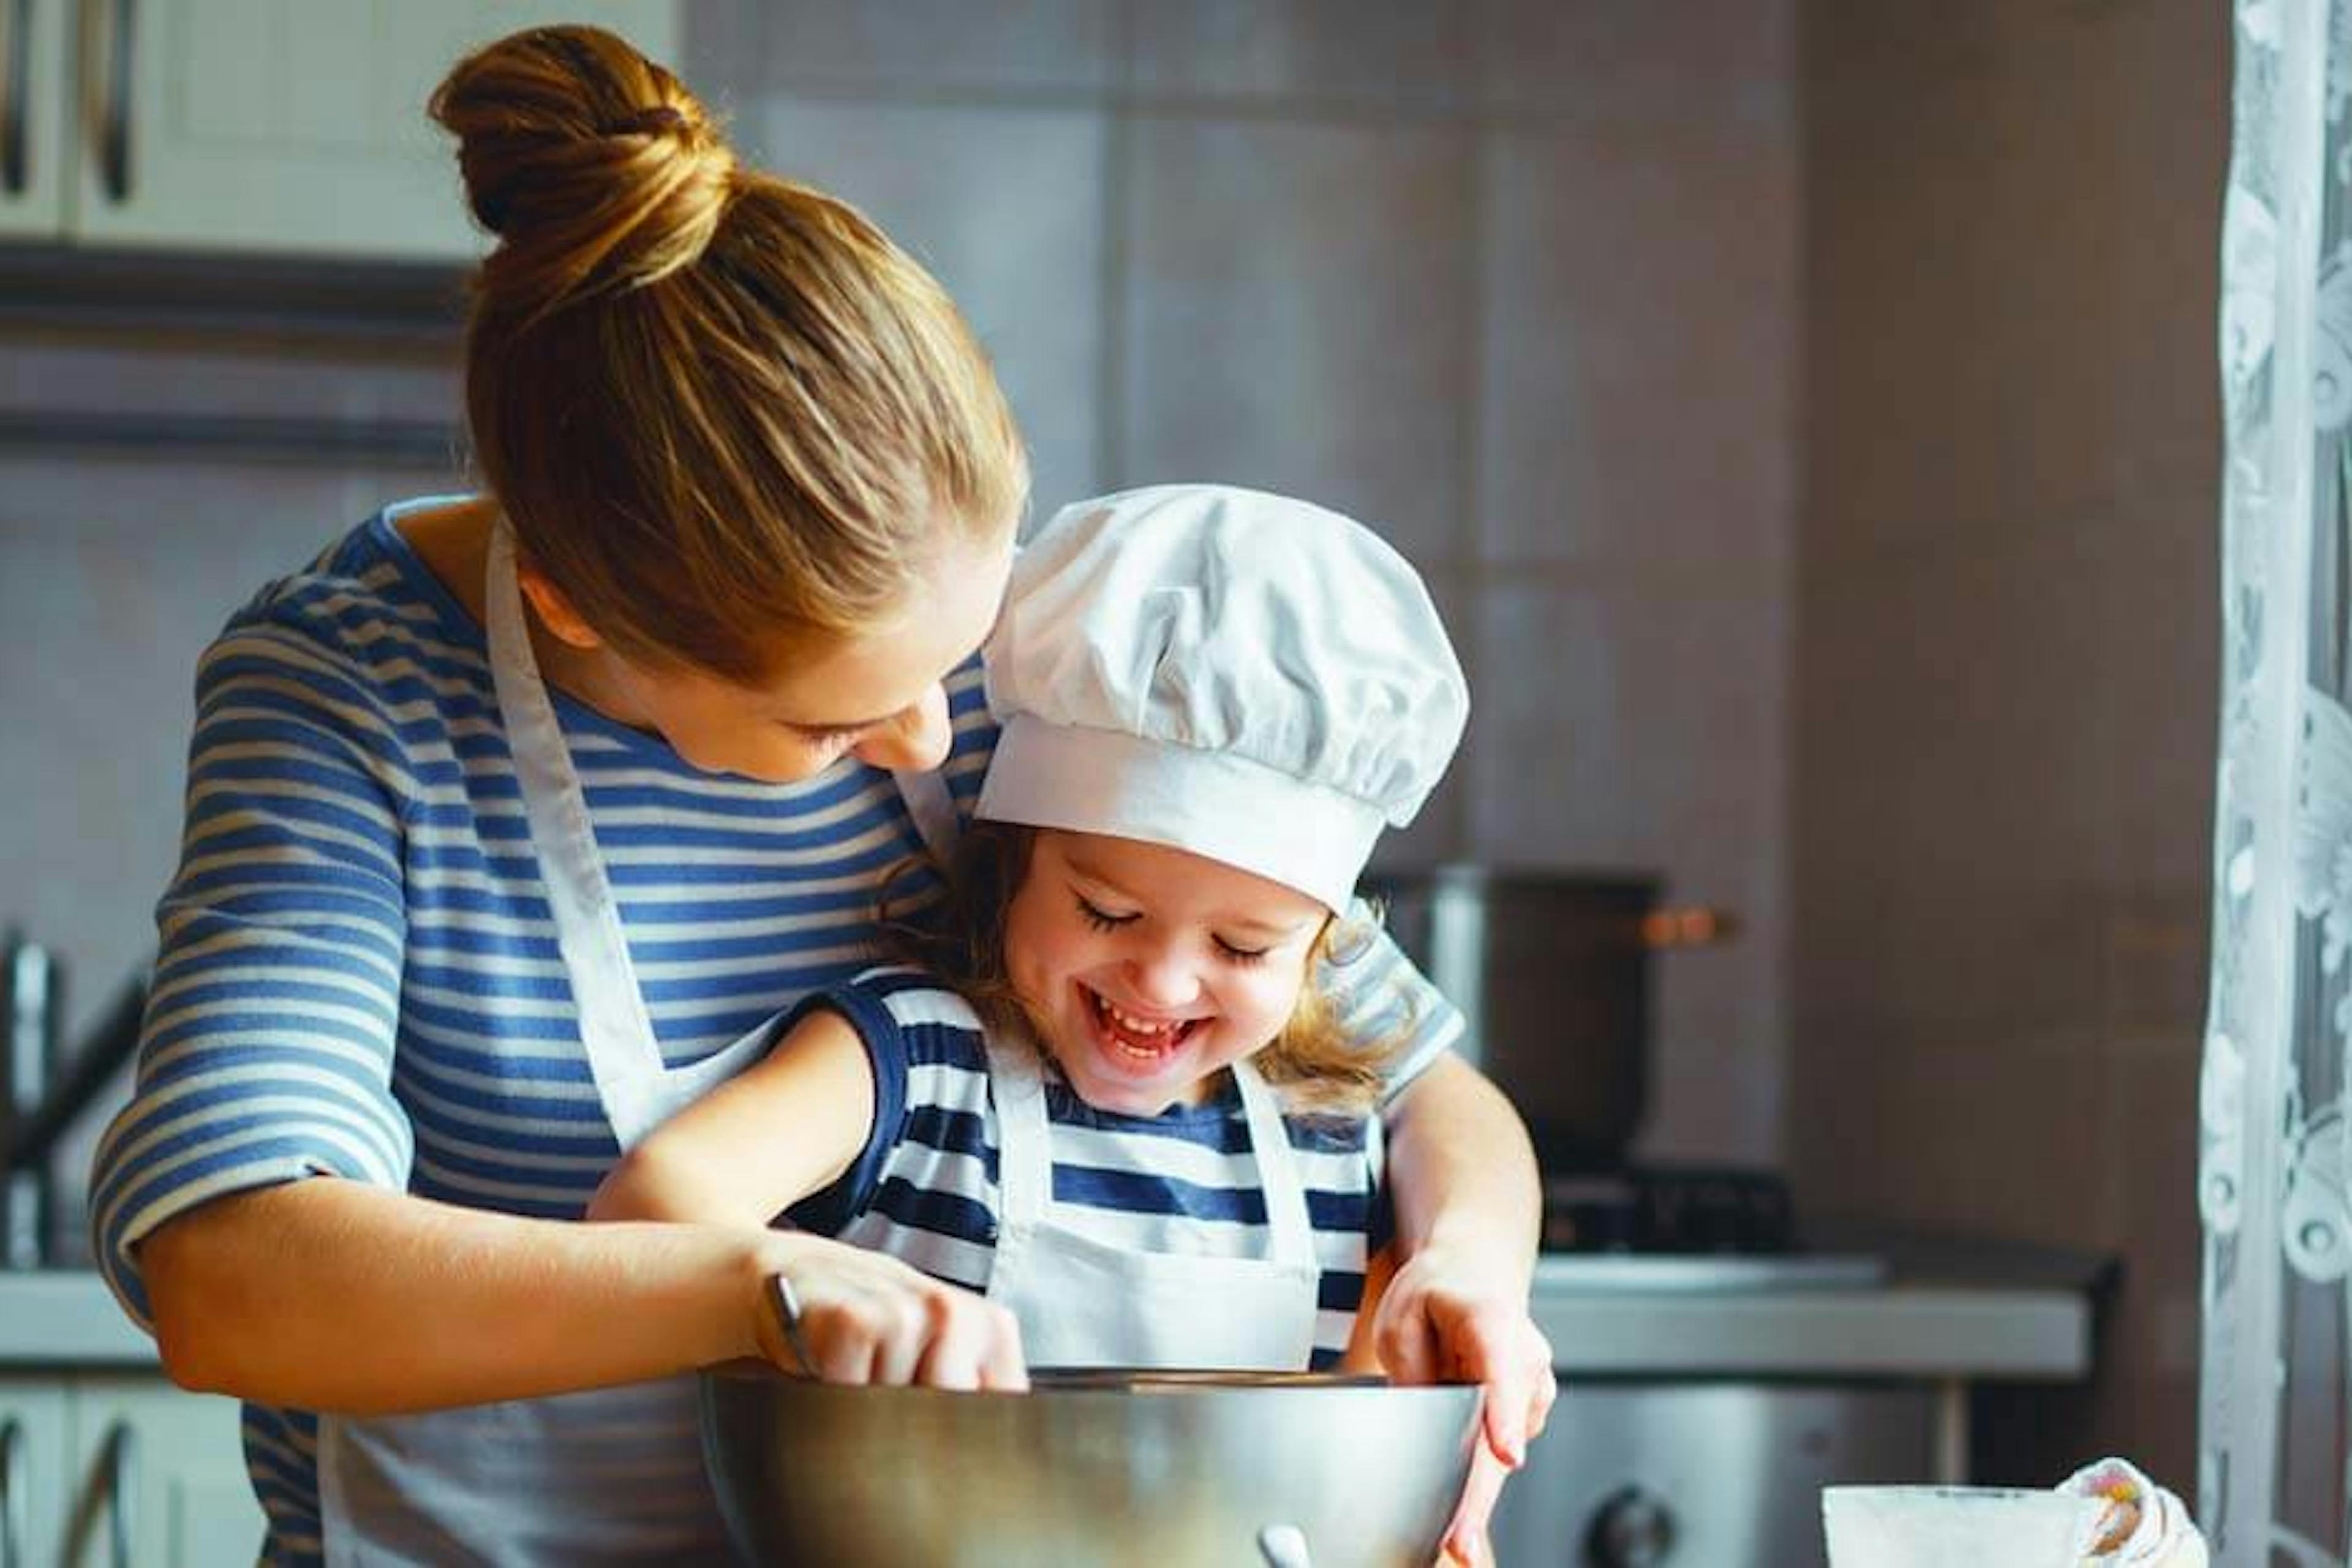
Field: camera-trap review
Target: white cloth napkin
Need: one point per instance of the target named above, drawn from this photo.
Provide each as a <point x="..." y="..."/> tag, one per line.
<point x="2143" y="1526"/>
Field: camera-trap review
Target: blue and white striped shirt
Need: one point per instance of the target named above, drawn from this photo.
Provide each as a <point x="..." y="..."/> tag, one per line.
<point x="357" y="973"/>
<point x="924" y="1188"/>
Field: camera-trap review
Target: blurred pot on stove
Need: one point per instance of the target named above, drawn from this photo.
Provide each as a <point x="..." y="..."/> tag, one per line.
<point x="1553" y="971"/>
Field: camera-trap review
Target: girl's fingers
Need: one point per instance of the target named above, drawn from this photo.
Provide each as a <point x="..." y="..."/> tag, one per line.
<point x="901" y="1327"/>
<point x="1406" y="1342"/>
<point x="852" y="1342"/>
<point x="976" y="1343"/>
<point x="959" y="1345"/>
<point x="1006" y="1365"/>
<point x="867" y="1319"/>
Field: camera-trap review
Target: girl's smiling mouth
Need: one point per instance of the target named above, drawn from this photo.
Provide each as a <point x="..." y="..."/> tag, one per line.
<point x="1138" y="1039"/>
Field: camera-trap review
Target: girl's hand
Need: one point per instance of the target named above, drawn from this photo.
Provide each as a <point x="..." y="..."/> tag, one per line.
<point x="866" y="1318"/>
<point x="1447" y="1319"/>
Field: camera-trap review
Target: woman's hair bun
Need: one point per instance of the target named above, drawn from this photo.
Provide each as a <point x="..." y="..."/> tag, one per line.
<point x="595" y="167"/>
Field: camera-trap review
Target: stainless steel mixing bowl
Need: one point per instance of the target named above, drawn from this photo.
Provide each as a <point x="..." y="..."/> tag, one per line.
<point x="1090" y="1469"/>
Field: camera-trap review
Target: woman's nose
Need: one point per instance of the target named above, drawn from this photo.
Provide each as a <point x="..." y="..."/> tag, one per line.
<point x="915" y="737"/>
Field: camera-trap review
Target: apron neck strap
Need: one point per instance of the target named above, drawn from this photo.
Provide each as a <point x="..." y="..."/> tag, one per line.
<point x="615" y="1027"/>
<point x="933" y="809"/>
<point x="1026" y="1162"/>
<point x="1290" y="1237"/>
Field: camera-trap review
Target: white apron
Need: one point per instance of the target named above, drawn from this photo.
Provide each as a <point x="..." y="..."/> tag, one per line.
<point x="1083" y="1303"/>
<point x="613" y="1474"/>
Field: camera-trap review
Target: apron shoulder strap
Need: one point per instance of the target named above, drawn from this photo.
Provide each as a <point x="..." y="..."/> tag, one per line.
<point x="933" y="809"/>
<point x="1289" y="1232"/>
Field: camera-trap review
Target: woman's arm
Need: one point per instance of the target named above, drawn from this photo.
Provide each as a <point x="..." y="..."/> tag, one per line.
<point x="1463" y="1174"/>
<point x="1468" y="1217"/>
<point x="335" y="1295"/>
<point x="1461" y="1171"/>
<point x="758" y="1142"/>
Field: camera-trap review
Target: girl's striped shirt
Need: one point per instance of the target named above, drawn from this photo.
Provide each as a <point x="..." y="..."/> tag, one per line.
<point x="924" y="1188"/>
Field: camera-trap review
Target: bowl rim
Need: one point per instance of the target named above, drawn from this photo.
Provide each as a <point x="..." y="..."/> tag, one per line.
<point x="1116" y="1381"/>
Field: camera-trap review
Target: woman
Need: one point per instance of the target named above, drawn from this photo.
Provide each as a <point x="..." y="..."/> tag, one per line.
<point x="511" y="820"/>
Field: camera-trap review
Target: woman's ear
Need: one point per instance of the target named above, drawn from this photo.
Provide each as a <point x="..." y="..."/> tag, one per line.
<point x="555" y="610"/>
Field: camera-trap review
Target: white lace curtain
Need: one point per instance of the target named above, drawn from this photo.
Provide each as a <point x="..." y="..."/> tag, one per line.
<point x="2271" y="1479"/>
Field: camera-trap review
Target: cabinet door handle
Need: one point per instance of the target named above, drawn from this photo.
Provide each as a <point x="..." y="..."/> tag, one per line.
<point x="16" y="93"/>
<point x="106" y="39"/>
<point x="16" y="1493"/>
<point x="122" y="1464"/>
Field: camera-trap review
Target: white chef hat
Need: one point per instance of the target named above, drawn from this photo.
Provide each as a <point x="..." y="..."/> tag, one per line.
<point x="1235" y="674"/>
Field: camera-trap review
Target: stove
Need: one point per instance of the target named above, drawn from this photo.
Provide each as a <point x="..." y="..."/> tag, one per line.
<point x="1679" y="1228"/>
<point x="1651" y="1209"/>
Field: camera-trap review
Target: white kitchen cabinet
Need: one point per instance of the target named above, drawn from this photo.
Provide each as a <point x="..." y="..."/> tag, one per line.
<point x="35" y="1460"/>
<point x="284" y="127"/>
<point x="33" y="59"/>
<point x="113" y="1468"/>
<point x="170" y="1470"/>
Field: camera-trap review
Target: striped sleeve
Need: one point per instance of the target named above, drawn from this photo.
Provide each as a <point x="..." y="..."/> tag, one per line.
<point x="1379" y="996"/>
<point x="267" y="1050"/>
<point x="827" y="1210"/>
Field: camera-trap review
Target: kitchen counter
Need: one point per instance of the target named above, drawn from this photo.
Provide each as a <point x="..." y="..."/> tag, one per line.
<point x="1903" y="1331"/>
<point x="1921" y="1327"/>
<point x="66" y="1318"/>
<point x="1601" y="1322"/>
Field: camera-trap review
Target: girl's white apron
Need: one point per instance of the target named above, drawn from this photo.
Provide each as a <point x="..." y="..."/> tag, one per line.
<point x="1083" y="1303"/>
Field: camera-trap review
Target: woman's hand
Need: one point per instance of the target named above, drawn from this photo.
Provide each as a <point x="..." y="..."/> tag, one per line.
<point x="867" y="1318"/>
<point x="1446" y="1318"/>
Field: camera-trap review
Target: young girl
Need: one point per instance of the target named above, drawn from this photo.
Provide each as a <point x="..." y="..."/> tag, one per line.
<point x="1115" y="1102"/>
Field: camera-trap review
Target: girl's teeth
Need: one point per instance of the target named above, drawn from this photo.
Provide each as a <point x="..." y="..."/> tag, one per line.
<point x="1141" y="1030"/>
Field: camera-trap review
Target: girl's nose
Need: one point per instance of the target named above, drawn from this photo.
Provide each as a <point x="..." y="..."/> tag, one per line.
<point x="915" y="737"/>
<point x="1161" y="978"/>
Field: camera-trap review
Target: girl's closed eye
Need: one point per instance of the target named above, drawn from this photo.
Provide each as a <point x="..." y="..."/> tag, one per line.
<point x="1244" y="955"/>
<point x="1099" y="918"/>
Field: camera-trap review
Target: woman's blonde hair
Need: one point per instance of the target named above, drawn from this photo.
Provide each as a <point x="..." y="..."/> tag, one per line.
<point x="722" y="411"/>
<point x="1313" y="1063"/>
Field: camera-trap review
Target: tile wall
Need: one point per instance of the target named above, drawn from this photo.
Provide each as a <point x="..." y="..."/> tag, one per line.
<point x="2005" y="654"/>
